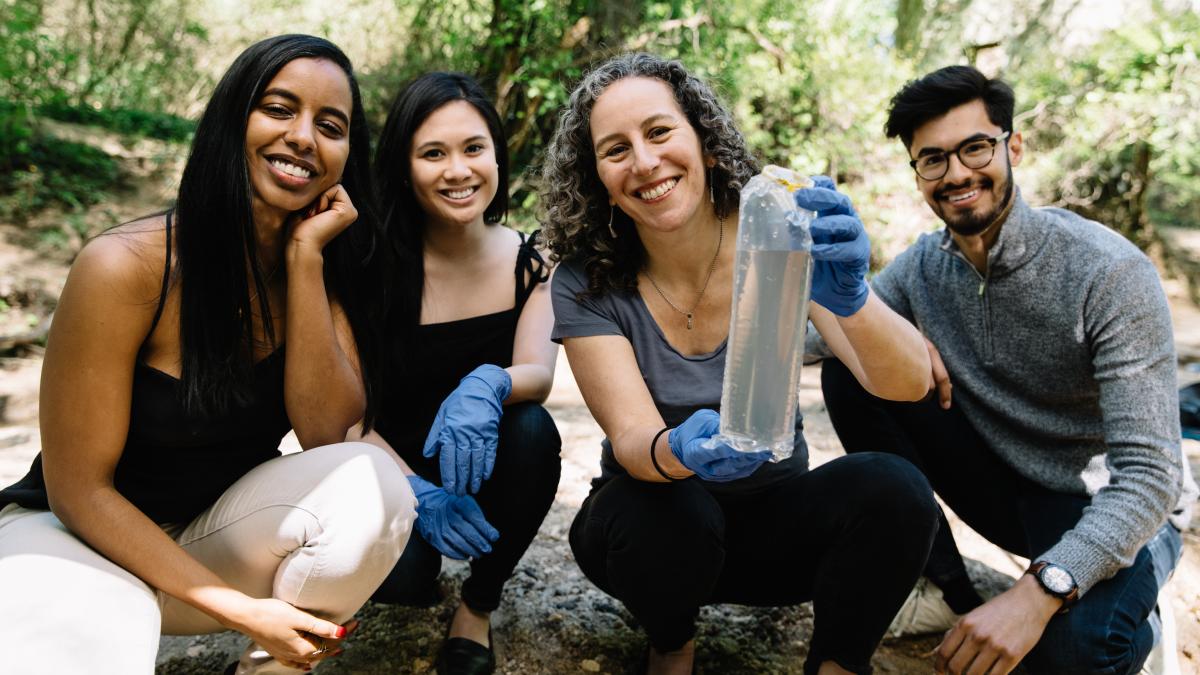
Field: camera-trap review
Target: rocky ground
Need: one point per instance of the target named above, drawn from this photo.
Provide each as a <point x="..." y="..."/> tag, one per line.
<point x="553" y="620"/>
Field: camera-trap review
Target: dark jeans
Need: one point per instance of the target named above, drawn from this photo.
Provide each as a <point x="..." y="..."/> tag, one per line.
<point x="514" y="500"/>
<point x="1111" y="628"/>
<point x="851" y="535"/>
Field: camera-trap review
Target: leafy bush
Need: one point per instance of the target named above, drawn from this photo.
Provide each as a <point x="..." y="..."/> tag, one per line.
<point x="158" y="125"/>
<point x="1121" y="127"/>
<point x="38" y="170"/>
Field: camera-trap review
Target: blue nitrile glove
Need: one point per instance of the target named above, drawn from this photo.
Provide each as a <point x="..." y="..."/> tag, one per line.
<point x="711" y="461"/>
<point x="453" y="525"/>
<point x="467" y="428"/>
<point x="841" y="251"/>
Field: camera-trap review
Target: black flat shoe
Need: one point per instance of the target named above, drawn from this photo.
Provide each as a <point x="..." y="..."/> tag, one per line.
<point x="460" y="656"/>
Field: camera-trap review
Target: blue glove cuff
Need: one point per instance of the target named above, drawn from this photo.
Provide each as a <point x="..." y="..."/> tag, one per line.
<point x="675" y="445"/>
<point x="420" y="486"/>
<point x="495" y="377"/>
<point x="846" y="305"/>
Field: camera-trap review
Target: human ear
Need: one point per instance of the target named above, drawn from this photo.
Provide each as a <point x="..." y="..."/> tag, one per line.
<point x="1016" y="148"/>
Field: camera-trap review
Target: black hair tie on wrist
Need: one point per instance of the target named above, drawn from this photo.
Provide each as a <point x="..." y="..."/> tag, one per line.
<point x="654" y="458"/>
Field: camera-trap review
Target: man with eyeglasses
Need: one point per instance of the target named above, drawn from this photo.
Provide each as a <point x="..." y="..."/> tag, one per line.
<point x="1061" y="442"/>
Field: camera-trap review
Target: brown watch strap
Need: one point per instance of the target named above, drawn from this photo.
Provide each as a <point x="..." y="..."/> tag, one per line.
<point x="1067" y="600"/>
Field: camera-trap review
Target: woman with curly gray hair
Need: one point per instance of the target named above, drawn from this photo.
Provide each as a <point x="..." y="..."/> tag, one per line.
<point x="640" y="204"/>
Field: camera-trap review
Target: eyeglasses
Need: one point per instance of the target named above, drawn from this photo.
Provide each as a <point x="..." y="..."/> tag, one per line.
<point x="974" y="153"/>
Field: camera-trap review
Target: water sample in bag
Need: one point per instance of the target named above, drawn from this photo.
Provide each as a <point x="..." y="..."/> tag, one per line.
<point x="771" y="286"/>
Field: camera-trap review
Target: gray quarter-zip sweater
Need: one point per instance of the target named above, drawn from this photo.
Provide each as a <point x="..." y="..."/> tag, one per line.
<point x="1062" y="357"/>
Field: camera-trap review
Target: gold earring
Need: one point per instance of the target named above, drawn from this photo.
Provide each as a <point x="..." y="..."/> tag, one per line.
<point x="711" y="195"/>
<point x="611" y="229"/>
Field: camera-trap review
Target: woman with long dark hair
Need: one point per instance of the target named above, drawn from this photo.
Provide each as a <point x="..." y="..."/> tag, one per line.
<point x="640" y="193"/>
<point x="470" y="357"/>
<point x="185" y="346"/>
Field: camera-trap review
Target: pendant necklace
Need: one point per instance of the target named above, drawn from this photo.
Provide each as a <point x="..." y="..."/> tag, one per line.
<point x="690" y="313"/>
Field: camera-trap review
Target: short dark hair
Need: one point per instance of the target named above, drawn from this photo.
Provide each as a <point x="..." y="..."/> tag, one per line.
<point x="934" y="95"/>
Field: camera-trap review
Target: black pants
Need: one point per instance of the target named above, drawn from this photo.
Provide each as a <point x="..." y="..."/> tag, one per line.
<point x="514" y="500"/>
<point x="1107" y="631"/>
<point x="851" y="535"/>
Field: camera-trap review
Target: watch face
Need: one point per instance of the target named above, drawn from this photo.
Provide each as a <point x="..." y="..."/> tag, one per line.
<point x="1056" y="579"/>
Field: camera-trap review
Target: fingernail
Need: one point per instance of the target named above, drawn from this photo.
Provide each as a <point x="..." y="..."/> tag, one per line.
<point x="341" y="632"/>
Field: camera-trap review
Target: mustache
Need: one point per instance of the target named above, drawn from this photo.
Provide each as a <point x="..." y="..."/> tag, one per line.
<point x="983" y="184"/>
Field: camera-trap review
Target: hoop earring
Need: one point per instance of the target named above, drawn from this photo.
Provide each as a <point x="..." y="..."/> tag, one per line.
<point x="611" y="229"/>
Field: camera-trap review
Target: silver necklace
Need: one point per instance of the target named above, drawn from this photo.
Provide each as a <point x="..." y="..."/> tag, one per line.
<point x="690" y="313"/>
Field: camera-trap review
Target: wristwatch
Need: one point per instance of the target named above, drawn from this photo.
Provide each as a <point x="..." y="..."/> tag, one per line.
<point x="1056" y="581"/>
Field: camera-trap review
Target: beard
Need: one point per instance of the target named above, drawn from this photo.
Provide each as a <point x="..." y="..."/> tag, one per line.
<point x="974" y="222"/>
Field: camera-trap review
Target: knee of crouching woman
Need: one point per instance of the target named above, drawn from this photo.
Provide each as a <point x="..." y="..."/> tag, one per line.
<point x="374" y="496"/>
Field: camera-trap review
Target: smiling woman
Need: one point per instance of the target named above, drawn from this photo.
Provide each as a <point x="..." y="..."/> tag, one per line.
<point x="454" y="168"/>
<point x="640" y="191"/>
<point x="160" y="496"/>
<point x="470" y="359"/>
<point x="297" y="136"/>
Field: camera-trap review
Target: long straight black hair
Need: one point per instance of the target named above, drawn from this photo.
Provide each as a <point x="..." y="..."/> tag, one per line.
<point x="403" y="218"/>
<point x="216" y="235"/>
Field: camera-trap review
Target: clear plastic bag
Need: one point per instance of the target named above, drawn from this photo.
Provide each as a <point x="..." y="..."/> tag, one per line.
<point x="771" y="287"/>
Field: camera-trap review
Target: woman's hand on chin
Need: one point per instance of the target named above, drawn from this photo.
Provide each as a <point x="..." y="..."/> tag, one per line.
<point x="325" y="219"/>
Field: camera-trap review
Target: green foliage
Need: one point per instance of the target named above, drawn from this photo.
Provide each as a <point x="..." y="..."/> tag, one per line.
<point x="1111" y="116"/>
<point x="73" y="61"/>
<point x="1122" y="127"/>
<point x="39" y="170"/>
<point x="137" y="54"/>
<point x="162" y="126"/>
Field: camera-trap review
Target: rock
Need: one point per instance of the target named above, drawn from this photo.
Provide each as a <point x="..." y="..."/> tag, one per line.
<point x="590" y="665"/>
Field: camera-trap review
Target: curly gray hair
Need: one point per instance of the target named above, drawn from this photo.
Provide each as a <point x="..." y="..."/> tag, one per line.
<point x="574" y="209"/>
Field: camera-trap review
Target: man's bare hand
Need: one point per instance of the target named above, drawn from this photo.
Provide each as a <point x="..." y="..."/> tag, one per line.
<point x="993" y="638"/>
<point x="941" y="378"/>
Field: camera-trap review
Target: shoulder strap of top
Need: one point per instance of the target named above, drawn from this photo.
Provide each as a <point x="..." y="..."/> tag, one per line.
<point x="166" y="281"/>
<point x="531" y="268"/>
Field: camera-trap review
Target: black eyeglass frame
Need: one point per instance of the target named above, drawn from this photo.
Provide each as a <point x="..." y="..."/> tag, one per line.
<point x="945" y="155"/>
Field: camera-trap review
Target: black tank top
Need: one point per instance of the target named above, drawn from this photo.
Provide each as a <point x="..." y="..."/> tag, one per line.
<point x="441" y="354"/>
<point x="176" y="464"/>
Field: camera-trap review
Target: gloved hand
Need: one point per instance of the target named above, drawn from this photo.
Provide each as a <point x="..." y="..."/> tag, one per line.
<point x="453" y="525"/>
<point x="711" y="461"/>
<point x="841" y="250"/>
<point x="467" y="428"/>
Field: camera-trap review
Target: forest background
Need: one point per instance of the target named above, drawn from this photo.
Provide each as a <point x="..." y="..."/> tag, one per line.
<point x="1108" y="92"/>
<point x="98" y="101"/>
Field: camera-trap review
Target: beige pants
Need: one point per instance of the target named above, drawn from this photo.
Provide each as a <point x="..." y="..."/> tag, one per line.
<point x="319" y="529"/>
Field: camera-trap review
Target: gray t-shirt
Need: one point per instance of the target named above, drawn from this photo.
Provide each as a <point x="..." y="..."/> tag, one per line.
<point x="679" y="384"/>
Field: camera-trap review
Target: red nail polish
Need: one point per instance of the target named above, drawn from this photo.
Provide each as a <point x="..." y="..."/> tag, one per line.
<point x="341" y="632"/>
